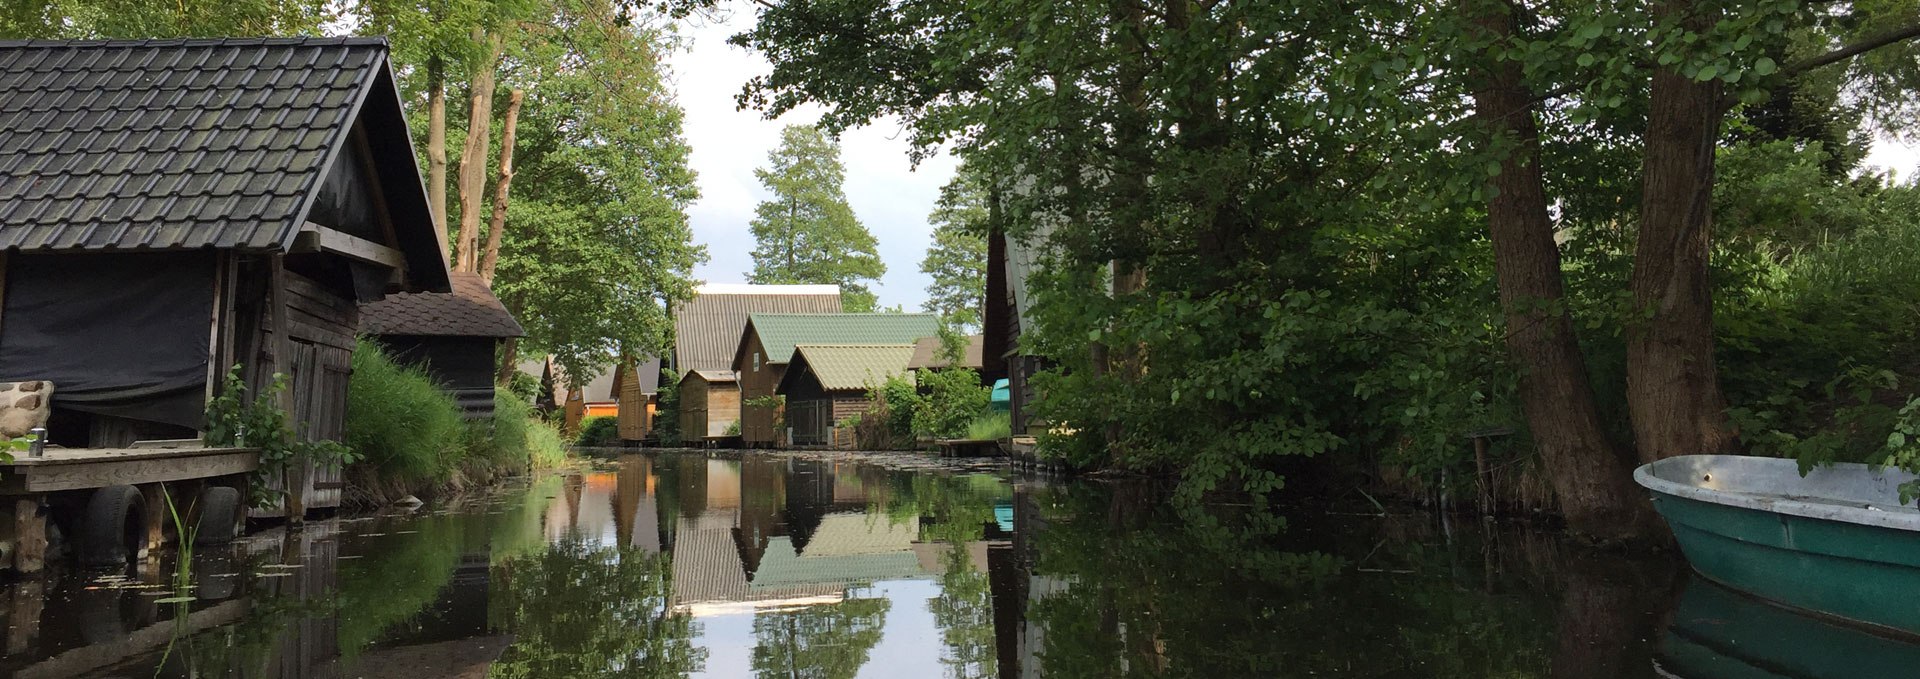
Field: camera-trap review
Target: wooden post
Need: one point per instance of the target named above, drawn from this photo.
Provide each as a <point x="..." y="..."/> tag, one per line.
<point x="23" y="617"/>
<point x="293" y="477"/>
<point x="155" y="495"/>
<point x="29" y="537"/>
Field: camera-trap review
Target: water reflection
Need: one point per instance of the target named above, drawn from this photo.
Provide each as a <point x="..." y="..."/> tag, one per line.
<point x="771" y="566"/>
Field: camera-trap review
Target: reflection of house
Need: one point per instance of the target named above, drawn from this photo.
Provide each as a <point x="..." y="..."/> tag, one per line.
<point x="766" y="346"/>
<point x="825" y="384"/>
<point x="706" y="332"/>
<point x="453" y="336"/>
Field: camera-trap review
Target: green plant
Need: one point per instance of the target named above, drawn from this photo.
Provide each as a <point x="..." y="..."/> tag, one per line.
<point x="598" y="431"/>
<point x="400" y="420"/>
<point x="991" y="426"/>
<point x="951" y="401"/>
<point x="238" y="417"/>
<point x="774" y="403"/>
<point x="666" y="420"/>
<point x="733" y="428"/>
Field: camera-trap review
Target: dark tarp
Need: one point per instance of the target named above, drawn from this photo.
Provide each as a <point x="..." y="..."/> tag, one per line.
<point x="117" y="334"/>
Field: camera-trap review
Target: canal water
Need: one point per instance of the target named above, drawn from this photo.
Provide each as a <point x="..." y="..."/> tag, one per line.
<point x="772" y="565"/>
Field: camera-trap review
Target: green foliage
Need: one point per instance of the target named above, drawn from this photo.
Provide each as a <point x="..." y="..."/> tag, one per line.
<point x="400" y="420"/>
<point x="598" y="431"/>
<point x="234" y="419"/>
<point x="956" y="261"/>
<point x="174" y="19"/>
<point x="807" y="233"/>
<point x="666" y="420"/>
<point x="991" y="426"/>
<point x="949" y="403"/>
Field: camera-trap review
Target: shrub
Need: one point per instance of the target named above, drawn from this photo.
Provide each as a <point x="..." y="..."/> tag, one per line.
<point x="598" y="431"/>
<point x="950" y="402"/>
<point x="399" y="421"/>
<point x="666" y="417"/>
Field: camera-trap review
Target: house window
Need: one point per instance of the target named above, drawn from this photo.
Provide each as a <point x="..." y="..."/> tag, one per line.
<point x="756" y="361"/>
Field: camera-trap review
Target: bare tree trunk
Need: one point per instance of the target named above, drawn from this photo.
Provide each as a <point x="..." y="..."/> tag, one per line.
<point x="473" y="159"/>
<point x="497" y="227"/>
<point x="437" y="142"/>
<point x="509" y="361"/>
<point x="1591" y="476"/>
<point x="1673" y="384"/>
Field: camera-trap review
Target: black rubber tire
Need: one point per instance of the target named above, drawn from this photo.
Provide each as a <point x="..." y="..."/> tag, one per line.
<point x="114" y="530"/>
<point x="219" y="509"/>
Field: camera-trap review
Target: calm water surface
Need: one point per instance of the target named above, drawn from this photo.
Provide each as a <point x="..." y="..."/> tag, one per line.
<point x="770" y="566"/>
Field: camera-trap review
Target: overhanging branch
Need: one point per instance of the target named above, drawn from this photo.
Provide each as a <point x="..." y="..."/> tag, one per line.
<point x="1868" y="44"/>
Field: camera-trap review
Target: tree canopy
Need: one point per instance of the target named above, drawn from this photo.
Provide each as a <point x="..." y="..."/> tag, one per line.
<point x="956" y="261"/>
<point x="807" y="233"/>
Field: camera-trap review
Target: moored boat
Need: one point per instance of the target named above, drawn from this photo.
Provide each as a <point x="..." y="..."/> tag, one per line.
<point x="1836" y="541"/>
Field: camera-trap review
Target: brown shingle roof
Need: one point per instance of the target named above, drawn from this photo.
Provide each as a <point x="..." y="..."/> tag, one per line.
<point x="707" y="328"/>
<point x="470" y="310"/>
<point x="926" y="354"/>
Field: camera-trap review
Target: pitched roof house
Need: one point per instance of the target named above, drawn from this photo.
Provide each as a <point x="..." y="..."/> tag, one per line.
<point x="768" y="342"/>
<point x="707" y="327"/>
<point x="178" y="207"/>
<point x="825" y="384"/>
<point x="453" y="336"/>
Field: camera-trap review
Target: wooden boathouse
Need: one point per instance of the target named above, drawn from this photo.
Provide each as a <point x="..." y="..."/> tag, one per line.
<point x="453" y="336"/>
<point x="766" y="346"/>
<point x="706" y="334"/>
<point x="825" y="384"/>
<point x="173" y="208"/>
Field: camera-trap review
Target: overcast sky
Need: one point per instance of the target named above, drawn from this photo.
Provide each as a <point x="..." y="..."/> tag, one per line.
<point x="891" y="197"/>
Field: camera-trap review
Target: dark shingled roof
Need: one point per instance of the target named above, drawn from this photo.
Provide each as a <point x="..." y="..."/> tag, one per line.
<point x="470" y="310"/>
<point x="179" y="144"/>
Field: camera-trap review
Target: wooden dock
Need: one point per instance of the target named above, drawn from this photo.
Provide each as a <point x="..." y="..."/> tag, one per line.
<point x="61" y="485"/>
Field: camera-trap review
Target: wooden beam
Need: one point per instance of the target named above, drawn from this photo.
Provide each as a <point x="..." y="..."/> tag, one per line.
<point x="316" y="238"/>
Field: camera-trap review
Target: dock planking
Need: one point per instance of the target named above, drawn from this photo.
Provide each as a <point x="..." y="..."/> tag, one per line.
<point x="79" y="469"/>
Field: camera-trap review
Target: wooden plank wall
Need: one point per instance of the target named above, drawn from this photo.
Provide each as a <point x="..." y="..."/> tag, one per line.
<point x="693" y="409"/>
<point x="756" y="423"/>
<point x="633" y="417"/>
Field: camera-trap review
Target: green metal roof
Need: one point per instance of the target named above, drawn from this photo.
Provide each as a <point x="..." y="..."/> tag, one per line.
<point x="779" y="333"/>
<point x="840" y="367"/>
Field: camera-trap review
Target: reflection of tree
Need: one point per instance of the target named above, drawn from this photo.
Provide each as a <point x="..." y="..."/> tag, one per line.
<point x="817" y="642"/>
<point x="964" y="612"/>
<point x="588" y="610"/>
<point x="1143" y="590"/>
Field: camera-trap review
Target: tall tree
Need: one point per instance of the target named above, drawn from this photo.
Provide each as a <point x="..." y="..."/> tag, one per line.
<point x="175" y="19"/>
<point x="956" y="261"/>
<point x="807" y="233"/>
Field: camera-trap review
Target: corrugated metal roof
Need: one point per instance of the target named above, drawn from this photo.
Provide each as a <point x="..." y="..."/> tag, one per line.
<point x="172" y="144"/>
<point x="715" y="375"/>
<point x="470" y="310"/>
<point x="926" y="353"/>
<point x="843" y="367"/>
<point x="779" y="333"/>
<point x="707" y="327"/>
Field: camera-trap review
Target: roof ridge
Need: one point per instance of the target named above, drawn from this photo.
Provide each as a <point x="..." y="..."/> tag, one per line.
<point x="263" y="41"/>
<point x="845" y="313"/>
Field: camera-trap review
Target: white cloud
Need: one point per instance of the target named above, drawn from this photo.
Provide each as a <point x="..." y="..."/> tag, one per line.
<point x="890" y="196"/>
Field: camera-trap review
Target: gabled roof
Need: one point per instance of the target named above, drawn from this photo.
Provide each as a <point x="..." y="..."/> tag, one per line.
<point x="847" y="367"/>
<point x="470" y="310"/>
<point x="713" y="376"/>
<point x="779" y="333"/>
<point x="707" y="327"/>
<point x="182" y="144"/>
<point x="647" y="372"/>
<point x="926" y="353"/>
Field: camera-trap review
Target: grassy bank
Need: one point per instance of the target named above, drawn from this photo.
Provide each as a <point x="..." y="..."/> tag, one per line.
<point x="413" y="439"/>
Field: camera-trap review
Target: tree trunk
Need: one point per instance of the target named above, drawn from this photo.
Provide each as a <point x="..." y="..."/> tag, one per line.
<point x="437" y="143"/>
<point x="509" y="361"/>
<point x="1591" y="476"/>
<point x="497" y="227"/>
<point x="473" y="159"/>
<point x="1673" y="385"/>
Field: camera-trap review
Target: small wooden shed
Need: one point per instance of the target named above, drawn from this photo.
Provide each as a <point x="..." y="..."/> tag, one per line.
<point x="637" y="395"/>
<point x="454" y="336"/>
<point x="709" y="405"/>
<point x="828" y="383"/>
<point x="171" y="208"/>
<point x="766" y="345"/>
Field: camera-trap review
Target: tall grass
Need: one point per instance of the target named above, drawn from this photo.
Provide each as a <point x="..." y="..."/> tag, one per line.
<point x="400" y="421"/>
<point x="991" y="426"/>
<point x="414" y="437"/>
